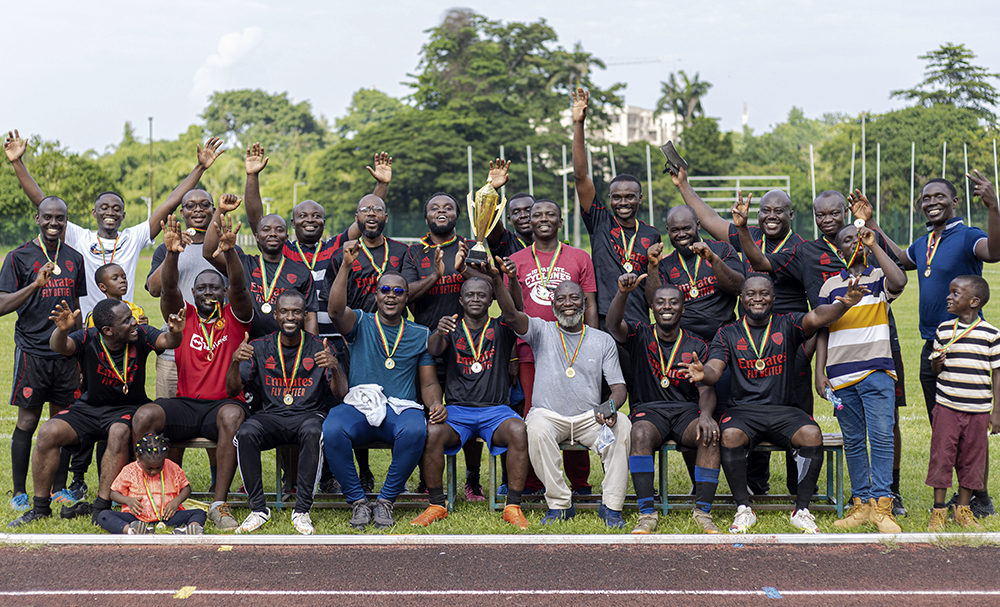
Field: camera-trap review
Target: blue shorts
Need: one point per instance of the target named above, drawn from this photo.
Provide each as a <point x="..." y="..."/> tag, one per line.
<point x="482" y="421"/>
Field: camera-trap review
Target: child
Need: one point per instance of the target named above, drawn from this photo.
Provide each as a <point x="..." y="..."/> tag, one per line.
<point x="151" y="490"/>
<point x="113" y="282"/>
<point x="966" y="359"/>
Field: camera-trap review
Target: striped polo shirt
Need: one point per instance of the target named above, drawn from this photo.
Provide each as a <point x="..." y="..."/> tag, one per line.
<point x="859" y="341"/>
<point x="966" y="381"/>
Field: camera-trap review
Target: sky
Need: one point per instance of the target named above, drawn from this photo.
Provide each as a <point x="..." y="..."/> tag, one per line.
<point x="82" y="69"/>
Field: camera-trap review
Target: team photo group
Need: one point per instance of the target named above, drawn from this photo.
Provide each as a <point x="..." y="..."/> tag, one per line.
<point x="713" y="346"/>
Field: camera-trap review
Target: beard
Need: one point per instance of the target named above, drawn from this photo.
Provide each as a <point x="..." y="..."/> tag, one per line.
<point x="439" y="230"/>
<point x="568" y="321"/>
<point x="758" y="317"/>
<point x="371" y="234"/>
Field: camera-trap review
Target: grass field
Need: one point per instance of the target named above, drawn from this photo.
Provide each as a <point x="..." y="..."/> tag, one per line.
<point x="476" y="518"/>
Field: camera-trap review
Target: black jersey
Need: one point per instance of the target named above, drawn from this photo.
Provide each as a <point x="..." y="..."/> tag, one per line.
<point x="319" y="256"/>
<point x="363" y="276"/>
<point x="608" y="244"/>
<point x="292" y="276"/>
<point x="645" y="350"/>
<point x="510" y="243"/>
<point x="490" y="386"/>
<point x="442" y="299"/>
<point x="308" y="384"/>
<point x="711" y="307"/>
<point x="103" y="378"/>
<point x="789" y="292"/>
<point x="33" y="327"/>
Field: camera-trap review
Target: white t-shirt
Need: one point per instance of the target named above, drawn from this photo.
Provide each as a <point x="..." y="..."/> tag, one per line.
<point x="96" y="252"/>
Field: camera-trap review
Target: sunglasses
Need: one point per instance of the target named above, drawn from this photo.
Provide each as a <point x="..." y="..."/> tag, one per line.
<point x="386" y="289"/>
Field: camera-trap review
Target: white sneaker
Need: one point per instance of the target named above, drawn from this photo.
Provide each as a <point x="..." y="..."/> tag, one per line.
<point x="254" y="521"/>
<point x="805" y="520"/>
<point x="302" y="523"/>
<point x="744" y="519"/>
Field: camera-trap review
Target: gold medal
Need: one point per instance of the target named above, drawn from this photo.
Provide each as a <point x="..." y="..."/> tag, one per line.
<point x="209" y="356"/>
<point x="390" y="364"/>
<point x="759" y="365"/>
<point x="266" y="308"/>
<point x="570" y="373"/>
<point x="288" y="399"/>
<point x="665" y="383"/>
<point x="477" y="351"/>
<point x="693" y="292"/>
<point x="627" y="266"/>
<point x="269" y="289"/>
<point x="935" y="354"/>
<point x="161" y="526"/>
<point x="285" y="380"/>
<point x="927" y="273"/>
<point x="123" y="376"/>
<point x="191" y="231"/>
<point x="125" y="389"/>
<point x="476" y="368"/>
<point x="859" y="223"/>
<point x="57" y="270"/>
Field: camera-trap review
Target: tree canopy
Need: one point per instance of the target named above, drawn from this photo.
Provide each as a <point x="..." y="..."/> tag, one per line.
<point x="952" y="79"/>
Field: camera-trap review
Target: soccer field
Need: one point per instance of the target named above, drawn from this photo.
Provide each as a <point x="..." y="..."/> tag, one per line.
<point x="476" y="518"/>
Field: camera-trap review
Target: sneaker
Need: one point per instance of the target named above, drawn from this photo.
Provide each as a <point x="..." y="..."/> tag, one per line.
<point x="554" y="515"/>
<point x="431" y="514"/>
<point x="502" y="490"/>
<point x="513" y="515"/>
<point x="611" y="518"/>
<point x="965" y="517"/>
<point x="880" y="513"/>
<point x="474" y="492"/>
<point x="383" y="514"/>
<point x="77" y="509"/>
<point x="330" y="485"/>
<point x="20" y="502"/>
<point x="704" y="520"/>
<point x="78" y="488"/>
<point x="744" y="519"/>
<point x="302" y="523"/>
<point x="804" y="520"/>
<point x="646" y="524"/>
<point x="583" y="491"/>
<point x="139" y="528"/>
<point x="254" y="521"/>
<point x="982" y="506"/>
<point x="190" y="529"/>
<point x="939" y="518"/>
<point x="898" y="509"/>
<point x="858" y="514"/>
<point x="64" y="497"/>
<point x="222" y="517"/>
<point x="28" y="517"/>
<point x="361" y="513"/>
<point x="367" y="481"/>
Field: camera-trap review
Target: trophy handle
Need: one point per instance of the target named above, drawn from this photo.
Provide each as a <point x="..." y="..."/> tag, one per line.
<point x="497" y="216"/>
<point x="471" y="201"/>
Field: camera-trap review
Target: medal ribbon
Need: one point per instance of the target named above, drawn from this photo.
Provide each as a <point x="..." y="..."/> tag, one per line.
<point x="122" y="377"/>
<point x="113" y="250"/>
<point x="763" y="242"/>
<point x="552" y="264"/>
<point x="854" y="255"/>
<point x="631" y="243"/>
<point x="55" y="261"/>
<point x="763" y="343"/>
<point x="385" y="342"/>
<point x="269" y="289"/>
<point x="281" y="359"/>
<point x="429" y="244"/>
<point x="150" y="495"/>
<point x="209" y="335"/>
<point x="932" y="247"/>
<point x="562" y="338"/>
<point x="955" y="338"/>
<point x="673" y="353"/>
<point x="697" y="268"/>
<point x="378" y="270"/>
<point x="476" y="350"/>
<point x="302" y="254"/>
<point x="832" y="248"/>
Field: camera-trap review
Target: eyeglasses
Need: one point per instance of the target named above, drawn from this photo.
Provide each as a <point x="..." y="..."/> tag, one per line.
<point x="366" y="210"/>
<point x="190" y="206"/>
<point x="386" y="289"/>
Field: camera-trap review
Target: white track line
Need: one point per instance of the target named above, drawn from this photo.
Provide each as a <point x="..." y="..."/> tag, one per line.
<point x="495" y="592"/>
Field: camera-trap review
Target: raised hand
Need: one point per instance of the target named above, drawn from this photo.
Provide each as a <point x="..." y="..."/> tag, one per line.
<point x="229" y="203"/>
<point x="245" y="351"/>
<point x="860" y="206"/>
<point x="653" y="256"/>
<point x="64" y="316"/>
<point x="447" y="324"/>
<point x="680" y="178"/>
<point x="227" y="234"/>
<point x="741" y="209"/>
<point x="508" y="267"/>
<point x="701" y="250"/>
<point x="628" y="282"/>
<point x="211" y="151"/>
<point x="14" y="146"/>
<point x="460" y="255"/>
<point x="868" y="237"/>
<point x="383" y="168"/>
<point x="255" y="160"/>
<point x="439" y="261"/>
<point x="175" y="322"/>
<point x="44" y="274"/>
<point x="142" y="319"/>
<point x="174" y="238"/>
<point x="854" y="293"/>
<point x="498" y="173"/>
<point x="326" y="359"/>
<point x="983" y="188"/>
<point x="581" y="99"/>
<point x="352" y="248"/>
<point x="695" y="369"/>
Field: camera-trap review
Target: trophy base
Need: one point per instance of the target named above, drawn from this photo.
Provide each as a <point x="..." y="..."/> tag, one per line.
<point x="477" y="256"/>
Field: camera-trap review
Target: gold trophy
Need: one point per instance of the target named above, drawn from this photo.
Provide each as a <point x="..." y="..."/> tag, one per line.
<point x="485" y="211"/>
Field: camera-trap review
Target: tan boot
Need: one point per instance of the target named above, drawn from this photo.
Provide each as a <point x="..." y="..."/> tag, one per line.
<point x="964" y="517"/>
<point x="880" y="513"/>
<point x="858" y="514"/>
<point x="939" y="518"/>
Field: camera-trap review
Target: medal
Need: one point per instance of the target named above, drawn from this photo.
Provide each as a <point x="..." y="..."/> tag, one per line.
<point x="859" y="223"/>
<point x="477" y="351"/>
<point x="570" y="373"/>
<point x="125" y="389"/>
<point x="103" y="250"/>
<point x="152" y="502"/>
<point x="759" y="364"/>
<point x="288" y="399"/>
<point x="547" y="275"/>
<point x="932" y="247"/>
<point x="266" y="308"/>
<point x="209" y="336"/>
<point x="295" y="368"/>
<point x="665" y="368"/>
<point x="379" y="270"/>
<point x="627" y="266"/>
<point x="954" y="328"/>
<point x="57" y="270"/>
<point x="691" y="278"/>
<point x="476" y="368"/>
<point x="627" y="246"/>
<point x="123" y="376"/>
<point x="389" y="363"/>
<point x="269" y="289"/>
<point x="161" y="526"/>
<point x="190" y="231"/>
<point x="693" y="292"/>
<point x="665" y="383"/>
<point x="936" y="354"/>
<point x="927" y="273"/>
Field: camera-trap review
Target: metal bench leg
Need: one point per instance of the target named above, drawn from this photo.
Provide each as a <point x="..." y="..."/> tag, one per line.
<point x="278" y="485"/>
<point x="830" y="497"/>
<point x="664" y="496"/>
<point x="451" y="466"/>
<point x="840" y="482"/>
<point x="491" y="483"/>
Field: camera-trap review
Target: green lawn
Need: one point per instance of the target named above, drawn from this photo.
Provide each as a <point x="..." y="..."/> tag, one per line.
<point x="476" y="518"/>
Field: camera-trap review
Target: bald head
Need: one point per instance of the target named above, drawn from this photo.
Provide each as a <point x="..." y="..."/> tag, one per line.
<point x="682" y="213"/>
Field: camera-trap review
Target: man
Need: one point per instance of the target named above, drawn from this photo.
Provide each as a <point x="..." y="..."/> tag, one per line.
<point x="112" y="358"/>
<point x="298" y="378"/>
<point x="213" y="331"/>
<point x="503" y="241"/>
<point x="389" y="358"/>
<point x="758" y="348"/>
<point x="35" y="277"/>
<point x="566" y="404"/>
<point x="541" y="268"/>
<point x="619" y="241"/>
<point x="109" y="244"/>
<point x="665" y="405"/>
<point x="477" y="391"/>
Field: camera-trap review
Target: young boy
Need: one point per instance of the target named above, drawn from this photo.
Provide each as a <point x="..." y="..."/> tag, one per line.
<point x="113" y="282"/>
<point x="966" y="359"/>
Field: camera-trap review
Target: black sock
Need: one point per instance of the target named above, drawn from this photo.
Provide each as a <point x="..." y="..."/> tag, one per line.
<point x="706" y="481"/>
<point x="894" y="487"/>
<point x="42" y="505"/>
<point x="20" y="456"/>
<point x="642" y="479"/>
<point x="807" y="486"/>
<point x="513" y="497"/>
<point x="472" y="477"/>
<point x="734" y="463"/>
<point x="101" y="504"/>
<point x="980" y="493"/>
<point x="437" y="497"/>
<point x="939" y="505"/>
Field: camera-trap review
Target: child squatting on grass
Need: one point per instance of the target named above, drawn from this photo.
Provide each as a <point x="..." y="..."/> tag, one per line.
<point x="151" y="490"/>
<point x="966" y="359"/>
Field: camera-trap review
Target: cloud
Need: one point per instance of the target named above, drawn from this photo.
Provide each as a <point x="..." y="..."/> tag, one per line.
<point x="216" y="73"/>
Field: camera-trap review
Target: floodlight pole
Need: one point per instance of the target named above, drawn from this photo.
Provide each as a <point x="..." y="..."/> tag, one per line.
<point x="864" y="179"/>
<point x="812" y="172"/>
<point x="968" y="195"/>
<point x="878" y="183"/>
<point x="649" y="184"/>
<point x="531" y="182"/>
<point x="565" y="195"/>
<point x="913" y="164"/>
<point x="611" y="155"/>
<point x="150" y="160"/>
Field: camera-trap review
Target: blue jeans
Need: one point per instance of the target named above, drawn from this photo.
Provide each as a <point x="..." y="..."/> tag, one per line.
<point x="345" y="427"/>
<point x="869" y="414"/>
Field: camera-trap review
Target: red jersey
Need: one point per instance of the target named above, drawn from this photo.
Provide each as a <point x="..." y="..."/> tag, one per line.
<point x="197" y="376"/>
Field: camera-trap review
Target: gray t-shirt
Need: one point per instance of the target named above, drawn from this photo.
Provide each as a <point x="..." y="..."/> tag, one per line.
<point x="566" y="396"/>
<point x="190" y="264"/>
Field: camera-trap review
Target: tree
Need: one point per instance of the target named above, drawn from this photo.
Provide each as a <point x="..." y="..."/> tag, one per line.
<point x="951" y="78"/>
<point x="709" y="151"/>
<point x="368" y="107"/>
<point x="683" y="98"/>
<point x="244" y="116"/>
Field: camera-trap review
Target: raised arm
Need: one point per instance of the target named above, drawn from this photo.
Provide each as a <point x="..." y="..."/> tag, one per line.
<point x="14" y="147"/>
<point x="341" y="316"/>
<point x="862" y="209"/>
<point x="615" y="320"/>
<point x="10" y="302"/>
<point x="895" y="278"/>
<point x="206" y="157"/>
<point x="758" y="260"/>
<point x="171" y="298"/>
<point x="210" y="249"/>
<point x="713" y="223"/>
<point x="987" y="250"/>
<point x="498" y="178"/>
<point x="729" y="279"/>
<point x="234" y="382"/>
<point x="653" y="282"/>
<point x="581" y="173"/>
<point x="822" y="316"/>
<point x="240" y="300"/>
<point x="66" y="320"/>
<point x="383" y="175"/>
<point x="174" y="335"/>
<point x="254" y="163"/>
<point x="421" y="287"/>
<point x="515" y="319"/>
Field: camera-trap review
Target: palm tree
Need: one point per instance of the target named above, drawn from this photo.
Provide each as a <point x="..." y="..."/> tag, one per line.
<point x="682" y="96"/>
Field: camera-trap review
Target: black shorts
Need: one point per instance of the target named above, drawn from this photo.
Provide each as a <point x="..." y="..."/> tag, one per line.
<point x="188" y="418"/>
<point x="91" y="423"/>
<point x="670" y="422"/>
<point x="900" y="385"/>
<point x="43" y="380"/>
<point x="775" y="424"/>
